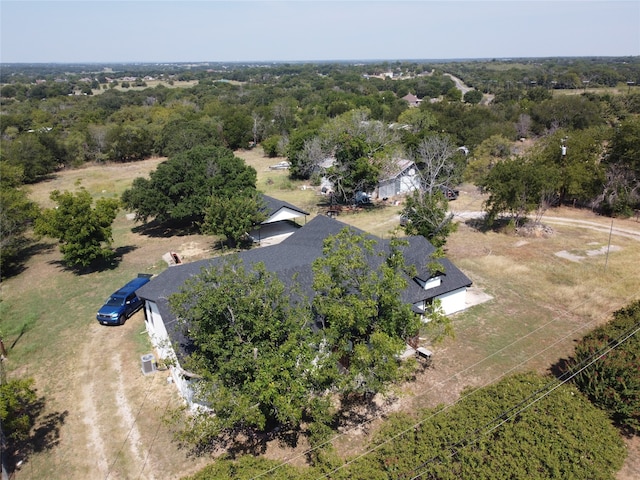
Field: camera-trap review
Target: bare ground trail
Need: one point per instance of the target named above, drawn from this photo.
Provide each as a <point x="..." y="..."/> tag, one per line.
<point x="617" y="227"/>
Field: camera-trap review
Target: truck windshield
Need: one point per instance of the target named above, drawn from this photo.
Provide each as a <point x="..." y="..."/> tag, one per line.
<point x="115" y="301"/>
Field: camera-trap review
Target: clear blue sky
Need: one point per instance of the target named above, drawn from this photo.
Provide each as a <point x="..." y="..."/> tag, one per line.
<point x="313" y="30"/>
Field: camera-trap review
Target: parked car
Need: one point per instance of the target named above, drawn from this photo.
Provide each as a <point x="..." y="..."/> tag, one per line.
<point x="362" y="198"/>
<point x="122" y="303"/>
<point x="450" y="193"/>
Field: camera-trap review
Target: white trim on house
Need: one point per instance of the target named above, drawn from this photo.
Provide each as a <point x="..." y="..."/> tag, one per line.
<point x="283" y="214"/>
<point x="432" y="282"/>
<point x="161" y="341"/>
<point x="157" y="331"/>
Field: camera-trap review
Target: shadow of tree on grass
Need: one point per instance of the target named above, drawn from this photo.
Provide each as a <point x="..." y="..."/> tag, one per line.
<point x="99" y="265"/>
<point x="44" y="435"/>
<point x="158" y="229"/>
<point x="17" y="264"/>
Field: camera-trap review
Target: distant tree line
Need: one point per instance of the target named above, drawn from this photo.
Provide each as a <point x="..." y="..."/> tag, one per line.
<point x="354" y="113"/>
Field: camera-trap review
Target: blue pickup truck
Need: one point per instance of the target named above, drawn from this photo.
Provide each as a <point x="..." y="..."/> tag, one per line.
<point x="123" y="303"/>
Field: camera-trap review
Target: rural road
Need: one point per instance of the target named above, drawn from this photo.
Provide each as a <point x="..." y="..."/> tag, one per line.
<point x="606" y="226"/>
<point x="460" y="85"/>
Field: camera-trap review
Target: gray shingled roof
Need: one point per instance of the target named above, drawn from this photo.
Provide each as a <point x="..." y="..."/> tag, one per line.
<point x="294" y="257"/>
<point x="272" y="205"/>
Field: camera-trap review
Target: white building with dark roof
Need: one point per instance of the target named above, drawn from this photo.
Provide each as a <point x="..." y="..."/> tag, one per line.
<point x="293" y="258"/>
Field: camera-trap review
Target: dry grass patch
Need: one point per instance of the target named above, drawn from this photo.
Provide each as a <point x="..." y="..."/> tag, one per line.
<point x="101" y="180"/>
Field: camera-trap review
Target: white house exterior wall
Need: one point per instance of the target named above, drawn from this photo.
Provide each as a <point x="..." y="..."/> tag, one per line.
<point x="409" y="183"/>
<point x="157" y="331"/>
<point x="454" y="301"/>
<point x="162" y="343"/>
<point x="398" y="185"/>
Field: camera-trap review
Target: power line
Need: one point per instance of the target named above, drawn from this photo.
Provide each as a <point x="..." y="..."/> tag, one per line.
<point x="582" y="326"/>
<point x="517" y="366"/>
<point x="335" y="437"/>
<point x="550" y="387"/>
<point x="464" y="397"/>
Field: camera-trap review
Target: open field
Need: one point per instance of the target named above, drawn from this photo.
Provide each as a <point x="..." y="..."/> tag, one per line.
<point x="105" y="415"/>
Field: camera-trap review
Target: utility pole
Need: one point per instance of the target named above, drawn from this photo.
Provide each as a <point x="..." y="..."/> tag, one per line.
<point x="608" y="246"/>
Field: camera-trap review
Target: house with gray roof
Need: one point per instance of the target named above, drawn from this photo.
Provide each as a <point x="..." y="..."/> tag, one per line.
<point x="281" y="221"/>
<point x="399" y="177"/>
<point x="293" y="258"/>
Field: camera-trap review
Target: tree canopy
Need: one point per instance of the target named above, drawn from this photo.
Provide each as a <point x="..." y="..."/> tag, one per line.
<point x="252" y="349"/>
<point x="610" y="355"/>
<point x="181" y="187"/>
<point x="622" y="159"/>
<point x="84" y="232"/>
<point x="517" y="428"/>
<point x="358" y="298"/>
<point x="16" y="214"/>
<point x="44" y="127"/>
<point x="427" y="215"/>
<point x="17" y="398"/>
<point x="518" y="186"/>
<point x="269" y="357"/>
<point x="234" y="217"/>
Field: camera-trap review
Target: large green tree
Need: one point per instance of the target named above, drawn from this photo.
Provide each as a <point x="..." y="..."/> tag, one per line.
<point x="181" y="187"/>
<point x="358" y="299"/>
<point x="17" y="398"/>
<point x="16" y="213"/>
<point x="518" y="186"/>
<point x="183" y="134"/>
<point x="571" y="112"/>
<point x="83" y="231"/>
<point x="28" y="152"/>
<point x="233" y="217"/>
<point x="129" y="141"/>
<point x="524" y="427"/>
<point x="472" y="96"/>
<point x="354" y="170"/>
<point x="253" y="348"/>
<point x="360" y="146"/>
<point x="427" y="214"/>
<point x="577" y="156"/>
<point x="491" y="151"/>
<point x="268" y="357"/>
<point x="622" y="189"/>
<point x="419" y="120"/>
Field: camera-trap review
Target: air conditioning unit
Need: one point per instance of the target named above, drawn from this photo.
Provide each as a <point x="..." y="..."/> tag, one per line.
<point x="148" y="363"/>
